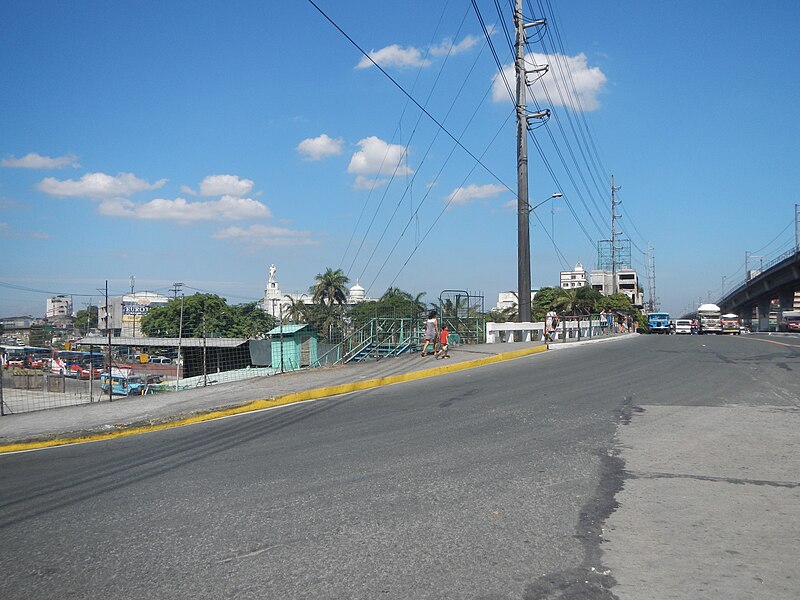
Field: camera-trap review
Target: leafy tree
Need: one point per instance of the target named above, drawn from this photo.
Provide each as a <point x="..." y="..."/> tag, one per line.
<point x="578" y="301"/>
<point x="545" y="299"/>
<point x="616" y="303"/>
<point x="206" y="314"/>
<point x="249" y="321"/>
<point x="330" y="287"/>
<point x="86" y="319"/>
<point x="296" y="311"/>
<point x="461" y="305"/>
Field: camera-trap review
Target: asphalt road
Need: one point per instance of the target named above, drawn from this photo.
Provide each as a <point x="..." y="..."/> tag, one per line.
<point x="561" y="475"/>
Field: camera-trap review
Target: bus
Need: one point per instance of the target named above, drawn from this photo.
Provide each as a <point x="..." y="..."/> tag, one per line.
<point x="80" y="365"/>
<point x="708" y="319"/>
<point x="29" y="357"/>
<point x="729" y="323"/>
<point x="658" y="322"/>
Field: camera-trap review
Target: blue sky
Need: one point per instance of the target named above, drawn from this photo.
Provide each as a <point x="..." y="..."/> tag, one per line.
<point x="200" y="142"/>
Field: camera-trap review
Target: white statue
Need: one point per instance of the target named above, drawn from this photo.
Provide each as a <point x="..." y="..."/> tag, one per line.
<point x="272" y="271"/>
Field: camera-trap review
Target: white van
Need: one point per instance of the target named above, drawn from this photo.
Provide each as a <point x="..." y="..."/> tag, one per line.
<point x="683" y="326"/>
<point x="160" y="360"/>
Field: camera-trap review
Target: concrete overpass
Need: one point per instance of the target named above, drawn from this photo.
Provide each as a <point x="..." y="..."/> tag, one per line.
<point x="779" y="280"/>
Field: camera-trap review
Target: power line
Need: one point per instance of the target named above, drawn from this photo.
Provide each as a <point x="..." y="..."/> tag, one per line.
<point x="410" y="97"/>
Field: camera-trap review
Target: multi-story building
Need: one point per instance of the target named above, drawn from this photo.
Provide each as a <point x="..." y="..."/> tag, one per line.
<point x="59" y="306"/>
<point x="576" y="278"/>
<point x="123" y="315"/>
<point x="627" y="282"/>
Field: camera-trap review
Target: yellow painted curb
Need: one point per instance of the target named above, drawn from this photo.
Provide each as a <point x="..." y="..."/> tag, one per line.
<point x="294" y="397"/>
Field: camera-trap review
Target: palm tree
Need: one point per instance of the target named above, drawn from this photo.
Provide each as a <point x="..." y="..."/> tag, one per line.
<point x="567" y="301"/>
<point x="330" y="287"/>
<point x="295" y="310"/>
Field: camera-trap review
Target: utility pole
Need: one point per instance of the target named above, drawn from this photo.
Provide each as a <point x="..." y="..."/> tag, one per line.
<point x="614" y="287"/>
<point x="523" y="226"/>
<point x="651" y="279"/>
<point x="796" y="228"/>
<point x="108" y="331"/>
<point x="176" y="287"/>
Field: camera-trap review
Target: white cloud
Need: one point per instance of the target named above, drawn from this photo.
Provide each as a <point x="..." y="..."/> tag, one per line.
<point x="7" y="231"/>
<point x="320" y="147"/>
<point x="395" y="56"/>
<point x="588" y="81"/>
<point x="97" y="185"/>
<point x="462" y="195"/>
<point x="368" y="183"/>
<point x="266" y="235"/>
<point x="377" y="157"/>
<point x="32" y="160"/>
<point x="402" y="57"/>
<point x="228" y="208"/>
<point x="448" y="47"/>
<point x="225" y="185"/>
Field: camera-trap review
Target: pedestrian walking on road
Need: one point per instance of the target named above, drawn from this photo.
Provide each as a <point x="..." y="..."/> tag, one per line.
<point x="603" y="322"/>
<point x="431" y="331"/>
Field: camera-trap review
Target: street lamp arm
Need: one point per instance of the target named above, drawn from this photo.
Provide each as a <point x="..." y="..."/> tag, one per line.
<point x="556" y="195"/>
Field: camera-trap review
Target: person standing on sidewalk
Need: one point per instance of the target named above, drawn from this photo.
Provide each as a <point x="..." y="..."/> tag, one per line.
<point x="431" y="330"/>
<point x="550" y="324"/>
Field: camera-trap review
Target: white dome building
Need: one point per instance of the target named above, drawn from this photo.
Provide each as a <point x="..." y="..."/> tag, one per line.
<point x="356" y="295"/>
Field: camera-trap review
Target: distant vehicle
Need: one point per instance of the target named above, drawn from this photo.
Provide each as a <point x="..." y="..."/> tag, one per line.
<point x="160" y="360"/>
<point x="658" y="322"/>
<point x="80" y="365"/>
<point x="708" y="317"/>
<point x="729" y="323"/>
<point x="683" y="326"/>
<point x="125" y="385"/>
<point x="790" y="321"/>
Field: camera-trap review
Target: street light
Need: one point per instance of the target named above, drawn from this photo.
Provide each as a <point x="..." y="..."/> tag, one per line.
<point x="533" y="208"/>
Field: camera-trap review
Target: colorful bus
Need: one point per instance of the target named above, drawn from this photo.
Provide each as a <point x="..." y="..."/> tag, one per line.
<point x="729" y="323"/>
<point x="708" y="318"/>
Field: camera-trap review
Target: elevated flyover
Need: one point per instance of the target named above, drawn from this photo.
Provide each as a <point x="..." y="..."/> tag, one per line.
<point x="779" y="280"/>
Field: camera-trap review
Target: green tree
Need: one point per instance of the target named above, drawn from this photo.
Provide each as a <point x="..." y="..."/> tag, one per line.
<point x="578" y="301"/>
<point x="86" y="319"/>
<point x="295" y="311"/>
<point x="616" y="303"/>
<point x="249" y="321"/>
<point x="206" y="314"/>
<point x="545" y="299"/>
<point x="330" y="288"/>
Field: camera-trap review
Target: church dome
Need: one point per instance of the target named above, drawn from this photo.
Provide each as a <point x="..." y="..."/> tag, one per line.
<point x="357" y="293"/>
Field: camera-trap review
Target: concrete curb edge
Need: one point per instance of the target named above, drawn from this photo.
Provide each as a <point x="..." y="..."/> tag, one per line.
<point x="266" y="403"/>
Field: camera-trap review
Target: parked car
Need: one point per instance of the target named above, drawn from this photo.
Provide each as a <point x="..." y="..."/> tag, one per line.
<point x="683" y="326"/>
<point x="160" y="360"/>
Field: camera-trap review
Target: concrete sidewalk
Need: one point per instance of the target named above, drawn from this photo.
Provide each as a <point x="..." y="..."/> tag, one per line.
<point x="127" y="415"/>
